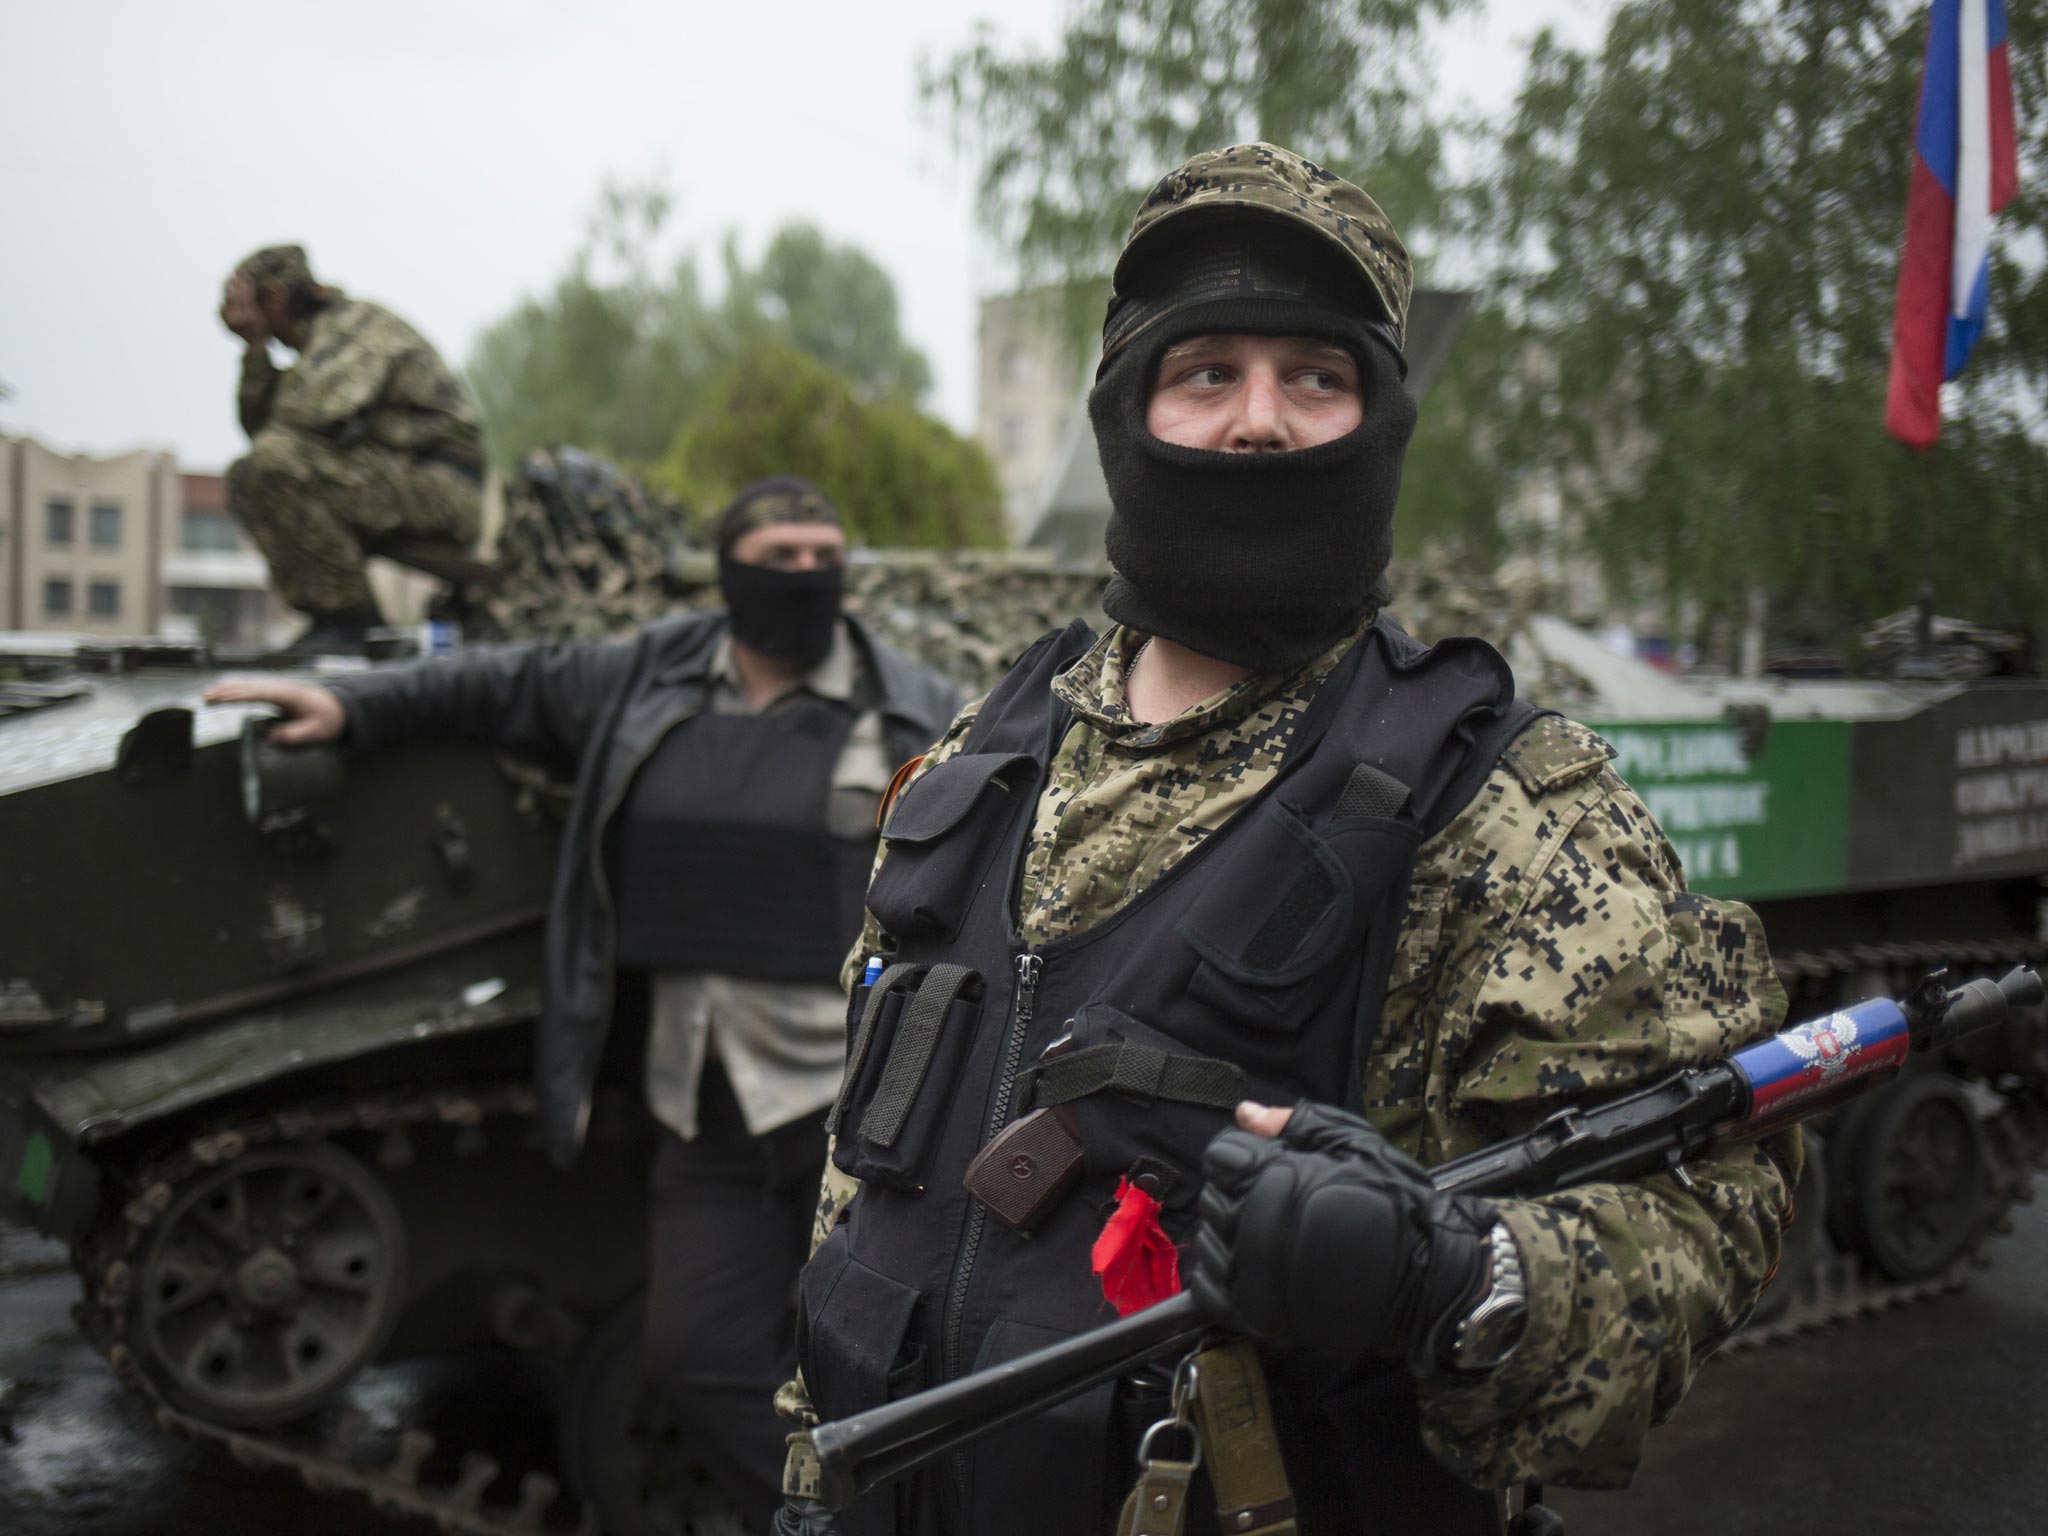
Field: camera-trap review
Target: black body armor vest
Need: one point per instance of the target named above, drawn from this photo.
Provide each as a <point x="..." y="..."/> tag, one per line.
<point x="1255" y="967"/>
<point x="723" y="853"/>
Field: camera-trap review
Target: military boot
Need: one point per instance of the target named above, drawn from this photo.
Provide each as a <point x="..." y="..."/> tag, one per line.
<point x="339" y="633"/>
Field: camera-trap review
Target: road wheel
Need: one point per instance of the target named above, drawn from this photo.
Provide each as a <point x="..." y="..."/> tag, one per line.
<point x="1921" y="1177"/>
<point x="623" y="1452"/>
<point x="268" y="1283"/>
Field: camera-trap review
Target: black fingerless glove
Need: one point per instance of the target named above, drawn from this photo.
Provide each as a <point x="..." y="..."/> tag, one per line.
<point x="1328" y="1239"/>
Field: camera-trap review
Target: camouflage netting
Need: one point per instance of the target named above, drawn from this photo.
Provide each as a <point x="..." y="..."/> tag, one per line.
<point x="970" y="615"/>
<point x="587" y="551"/>
<point x="1953" y="649"/>
<point x="583" y="550"/>
<point x="1434" y="598"/>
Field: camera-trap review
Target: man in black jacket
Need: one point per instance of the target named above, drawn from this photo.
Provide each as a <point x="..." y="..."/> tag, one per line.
<point x="728" y="771"/>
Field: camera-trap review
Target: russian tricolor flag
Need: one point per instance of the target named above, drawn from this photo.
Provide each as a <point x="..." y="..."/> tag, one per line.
<point x="1965" y="168"/>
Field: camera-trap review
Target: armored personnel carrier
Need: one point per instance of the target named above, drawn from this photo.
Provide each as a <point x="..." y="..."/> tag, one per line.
<point x="264" y="1065"/>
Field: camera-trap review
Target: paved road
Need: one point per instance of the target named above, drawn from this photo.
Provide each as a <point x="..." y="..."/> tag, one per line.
<point x="81" y="1457"/>
<point x="1926" y="1421"/>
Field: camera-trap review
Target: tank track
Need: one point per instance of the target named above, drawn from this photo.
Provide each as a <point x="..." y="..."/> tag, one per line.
<point x="339" y="1459"/>
<point x="1833" y="1293"/>
<point x="1836" y="1290"/>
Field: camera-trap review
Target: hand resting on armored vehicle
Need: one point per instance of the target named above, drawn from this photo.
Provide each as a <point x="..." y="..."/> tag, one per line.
<point x="312" y="714"/>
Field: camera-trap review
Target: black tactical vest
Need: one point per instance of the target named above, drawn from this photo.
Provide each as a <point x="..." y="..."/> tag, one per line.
<point x="1255" y="967"/>
<point x="723" y="855"/>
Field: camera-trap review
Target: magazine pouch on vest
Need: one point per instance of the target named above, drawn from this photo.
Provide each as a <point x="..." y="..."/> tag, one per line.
<point x="913" y="1049"/>
<point x="872" y="1012"/>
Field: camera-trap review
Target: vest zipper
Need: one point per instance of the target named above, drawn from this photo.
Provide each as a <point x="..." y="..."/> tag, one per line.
<point x="1029" y="966"/>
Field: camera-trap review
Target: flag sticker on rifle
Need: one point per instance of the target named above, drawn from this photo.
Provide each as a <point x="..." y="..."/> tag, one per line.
<point x="1813" y="1058"/>
<point x="1965" y="169"/>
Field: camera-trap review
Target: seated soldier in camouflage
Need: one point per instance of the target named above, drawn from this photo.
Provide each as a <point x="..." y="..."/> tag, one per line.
<point x="1274" y="906"/>
<point x="367" y="440"/>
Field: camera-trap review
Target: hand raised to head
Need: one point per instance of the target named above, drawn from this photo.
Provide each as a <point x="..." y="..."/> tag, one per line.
<point x="239" y="311"/>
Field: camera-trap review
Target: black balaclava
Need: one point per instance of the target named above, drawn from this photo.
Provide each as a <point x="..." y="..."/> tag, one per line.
<point x="790" y="616"/>
<point x="1261" y="559"/>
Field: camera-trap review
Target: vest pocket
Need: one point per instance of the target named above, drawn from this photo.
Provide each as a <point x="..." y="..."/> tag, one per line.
<point x="857" y="1346"/>
<point x="1277" y="926"/>
<point x="942" y="838"/>
<point x="1268" y="925"/>
<point x="898" y="1100"/>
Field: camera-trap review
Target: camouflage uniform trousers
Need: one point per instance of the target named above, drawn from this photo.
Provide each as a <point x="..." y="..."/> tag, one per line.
<point x="316" y="509"/>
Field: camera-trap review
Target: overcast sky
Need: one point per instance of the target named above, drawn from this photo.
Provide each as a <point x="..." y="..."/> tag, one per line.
<point x="441" y="156"/>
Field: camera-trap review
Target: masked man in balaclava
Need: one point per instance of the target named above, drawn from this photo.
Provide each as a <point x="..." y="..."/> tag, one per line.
<point x="728" y="768"/>
<point x="1197" y="940"/>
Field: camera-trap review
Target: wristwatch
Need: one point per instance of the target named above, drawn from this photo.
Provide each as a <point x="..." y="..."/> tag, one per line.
<point x="1489" y="1333"/>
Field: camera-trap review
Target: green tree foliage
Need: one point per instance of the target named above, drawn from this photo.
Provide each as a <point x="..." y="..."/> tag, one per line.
<point x="1456" y="479"/>
<point x="610" y="359"/>
<point x="623" y="349"/>
<point x="1700" y="224"/>
<point x="1068" y="141"/>
<point x="833" y="301"/>
<point x="900" y="477"/>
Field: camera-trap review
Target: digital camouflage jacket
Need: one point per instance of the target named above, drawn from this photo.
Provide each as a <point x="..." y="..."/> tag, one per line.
<point x="364" y="375"/>
<point x="1550" y="953"/>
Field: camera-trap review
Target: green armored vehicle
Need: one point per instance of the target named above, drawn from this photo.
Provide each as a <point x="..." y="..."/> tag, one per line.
<point x="264" y="1065"/>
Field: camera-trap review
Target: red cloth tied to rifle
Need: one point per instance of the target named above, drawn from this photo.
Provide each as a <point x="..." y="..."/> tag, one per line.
<point x="1133" y="1257"/>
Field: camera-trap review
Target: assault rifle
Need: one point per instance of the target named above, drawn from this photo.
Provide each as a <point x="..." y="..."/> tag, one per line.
<point x="1758" y="1090"/>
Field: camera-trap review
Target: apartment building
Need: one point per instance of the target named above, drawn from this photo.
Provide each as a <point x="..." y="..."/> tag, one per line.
<point x="1029" y="374"/>
<point x="82" y="538"/>
<point x="215" y="583"/>
<point x="126" y="545"/>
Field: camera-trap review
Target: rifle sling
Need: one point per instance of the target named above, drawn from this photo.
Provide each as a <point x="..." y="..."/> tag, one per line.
<point x="1240" y="1443"/>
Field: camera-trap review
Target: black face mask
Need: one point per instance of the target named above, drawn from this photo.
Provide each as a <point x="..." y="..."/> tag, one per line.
<point x="1261" y="559"/>
<point x="787" y="615"/>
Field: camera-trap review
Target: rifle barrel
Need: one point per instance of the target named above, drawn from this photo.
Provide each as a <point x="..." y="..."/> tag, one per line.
<point x="871" y="1448"/>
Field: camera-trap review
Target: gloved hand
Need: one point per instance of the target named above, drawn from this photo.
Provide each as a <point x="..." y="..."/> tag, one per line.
<point x="804" y="1517"/>
<point x="1327" y="1238"/>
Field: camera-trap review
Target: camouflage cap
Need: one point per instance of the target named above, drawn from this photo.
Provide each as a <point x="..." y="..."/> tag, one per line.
<point x="1267" y="182"/>
<point x="285" y="264"/>
<point x="778" y="499"/>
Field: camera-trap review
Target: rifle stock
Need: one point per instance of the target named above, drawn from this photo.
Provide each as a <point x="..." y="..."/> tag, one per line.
<point x="1760" y="1089"/>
